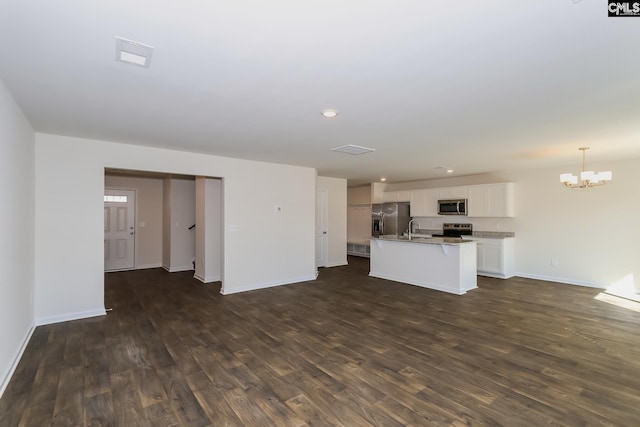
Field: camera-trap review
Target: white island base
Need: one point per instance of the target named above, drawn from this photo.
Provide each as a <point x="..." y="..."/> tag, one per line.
<point x="448" y="267"/>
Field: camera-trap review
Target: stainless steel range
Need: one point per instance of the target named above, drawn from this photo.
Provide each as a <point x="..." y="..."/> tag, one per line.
<point x="455" y="230"/>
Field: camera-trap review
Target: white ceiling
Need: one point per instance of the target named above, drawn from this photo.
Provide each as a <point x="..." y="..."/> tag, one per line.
<point x="478" y="86"/>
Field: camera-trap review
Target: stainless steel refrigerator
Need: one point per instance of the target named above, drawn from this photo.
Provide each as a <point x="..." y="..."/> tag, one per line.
<point x="389" y="219"/>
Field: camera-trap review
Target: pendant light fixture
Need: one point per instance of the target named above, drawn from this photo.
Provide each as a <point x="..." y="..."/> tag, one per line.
<point x="588" y="179"/>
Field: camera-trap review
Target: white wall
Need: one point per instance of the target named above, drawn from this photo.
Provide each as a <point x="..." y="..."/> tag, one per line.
<point x="591" y="233"/>
<point x="148" y="243"/>
<point x="208" y="229"/>
<point x="260" y="250"/>
<point x="181" y="215"/>
<point x="17" y="242"/>
<point x="359" y="195"/>
<point x="337" y="203"/>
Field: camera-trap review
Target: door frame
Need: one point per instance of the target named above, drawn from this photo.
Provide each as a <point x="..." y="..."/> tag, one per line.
<point x="135" y="228"/>
<point x="321" y="211"/>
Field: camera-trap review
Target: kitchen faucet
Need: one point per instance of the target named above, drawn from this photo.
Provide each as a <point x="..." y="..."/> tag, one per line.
<point x="410" y="222"/>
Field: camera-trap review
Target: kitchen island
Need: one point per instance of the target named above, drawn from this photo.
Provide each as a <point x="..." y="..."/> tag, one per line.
<point x="443" y="264"/>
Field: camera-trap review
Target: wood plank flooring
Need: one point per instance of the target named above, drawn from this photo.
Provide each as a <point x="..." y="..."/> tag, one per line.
<point x="345" y="350"/>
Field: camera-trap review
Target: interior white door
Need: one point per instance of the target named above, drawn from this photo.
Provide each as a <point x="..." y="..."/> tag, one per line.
<point x="322" y="228"/>
<point x="119" y="229"/>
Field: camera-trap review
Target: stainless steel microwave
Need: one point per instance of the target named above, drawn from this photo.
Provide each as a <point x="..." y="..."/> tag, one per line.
<point x="452" y="207"/>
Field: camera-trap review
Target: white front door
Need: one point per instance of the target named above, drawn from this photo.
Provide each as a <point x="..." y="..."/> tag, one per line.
<point x="322" y="225"/>
<point x="119" y="229"/>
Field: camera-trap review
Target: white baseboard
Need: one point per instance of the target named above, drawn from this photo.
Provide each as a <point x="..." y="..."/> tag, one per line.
<point x="16" y="360"/>
<point x="137" y="267"/>
<point x="496" y="276"/>
<point x="178" y="269"/>
<point x="337" y="264"/>
<point x="226" y="291"/>
<point x="419" y="283"/>
<point x="561" y="280"/>
<point x="146" y="266"/>
<point x="70" y="316"/>
<point x="207" y="279"/>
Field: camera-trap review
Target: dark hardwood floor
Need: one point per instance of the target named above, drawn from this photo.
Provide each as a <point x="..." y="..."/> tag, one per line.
<point x="345" y="350"/>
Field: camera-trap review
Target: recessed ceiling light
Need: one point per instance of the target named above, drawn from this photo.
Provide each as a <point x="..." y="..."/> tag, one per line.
<point x="329" y="114"/>
<point x="383" y="179"/>
<point x="352" y="149"/>
<point x="447" y="170"/>
<point x="133" y="52"/>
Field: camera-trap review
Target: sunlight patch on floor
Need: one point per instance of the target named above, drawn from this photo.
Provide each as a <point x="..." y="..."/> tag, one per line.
<point x="618" y="301"/>
<point x="625" y="288"/>
<point x="622" y="293"/>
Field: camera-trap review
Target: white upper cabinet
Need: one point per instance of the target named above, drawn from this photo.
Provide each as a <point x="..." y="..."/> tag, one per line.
<point x="377" y="192"/>
<point x="452" y="193"/>
<point x="389" y="196"/>
<point x="403" y="196"/>
<point x="491" y="200"/>
<point x="485" y="200"/>
<point x="424" y="202"/>
<point x="396" y="196"/>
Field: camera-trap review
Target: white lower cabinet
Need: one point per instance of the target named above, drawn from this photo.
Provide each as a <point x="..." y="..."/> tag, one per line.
<point x="496" y="257"/>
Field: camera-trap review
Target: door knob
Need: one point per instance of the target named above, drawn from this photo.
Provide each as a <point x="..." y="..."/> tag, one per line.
<point x="131" y="233"/>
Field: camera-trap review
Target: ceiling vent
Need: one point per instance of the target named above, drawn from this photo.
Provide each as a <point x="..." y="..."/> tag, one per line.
<point x="353" y="149"/>
<point x="133" y="52"/>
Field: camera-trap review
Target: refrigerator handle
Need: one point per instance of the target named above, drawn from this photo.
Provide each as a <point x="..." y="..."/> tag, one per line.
<point x="381" y="224"/>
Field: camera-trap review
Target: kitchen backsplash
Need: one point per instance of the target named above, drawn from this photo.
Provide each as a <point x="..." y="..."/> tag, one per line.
<point x="499" y="225"/>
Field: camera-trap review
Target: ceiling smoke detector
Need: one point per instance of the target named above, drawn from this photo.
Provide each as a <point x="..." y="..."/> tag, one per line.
<point x="353" y="149"/>
<point x="132" y="52"/>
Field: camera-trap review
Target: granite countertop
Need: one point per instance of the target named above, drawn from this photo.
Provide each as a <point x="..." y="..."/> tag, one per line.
<point x="426" y="240"/>
<point x="494" y="234"/>
<point x="482" y="234"/>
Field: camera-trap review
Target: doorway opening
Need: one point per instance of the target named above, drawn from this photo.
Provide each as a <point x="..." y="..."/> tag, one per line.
<point x="175" y="222"/>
